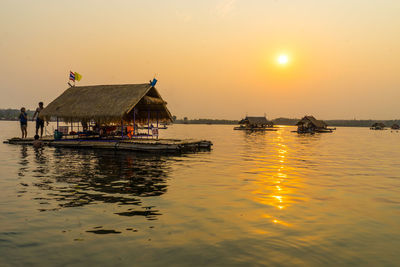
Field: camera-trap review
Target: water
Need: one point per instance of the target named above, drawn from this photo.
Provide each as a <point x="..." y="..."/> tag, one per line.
<point x="274" y="198"/>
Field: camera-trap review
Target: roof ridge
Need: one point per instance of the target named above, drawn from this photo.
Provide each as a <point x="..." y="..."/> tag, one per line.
<point x="124" y="84"/>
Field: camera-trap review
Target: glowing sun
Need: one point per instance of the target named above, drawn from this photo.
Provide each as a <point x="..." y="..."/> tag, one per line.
<point x="283" y="59"/>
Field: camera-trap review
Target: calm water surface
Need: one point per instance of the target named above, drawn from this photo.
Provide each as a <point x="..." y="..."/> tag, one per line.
<point x="275" y="199"/>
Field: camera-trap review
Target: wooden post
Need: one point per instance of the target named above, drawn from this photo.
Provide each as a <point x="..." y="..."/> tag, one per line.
<point x="122" y="129"/>
<point x="134" y="121"/>
<point x="148" y="123"/>
<point x="157" y="125"/>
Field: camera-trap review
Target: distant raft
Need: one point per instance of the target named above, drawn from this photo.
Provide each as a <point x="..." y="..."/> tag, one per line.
<point x="309" y="124"/>
<point x="378" y="126"/>
<point x="256" y="124"/>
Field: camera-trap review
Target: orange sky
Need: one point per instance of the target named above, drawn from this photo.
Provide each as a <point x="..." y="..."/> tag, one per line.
<point x="214" y="59"/>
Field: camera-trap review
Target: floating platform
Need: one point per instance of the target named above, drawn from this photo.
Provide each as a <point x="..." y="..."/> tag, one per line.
<point x="328" y="130"/>
<point x="255" y="129"/>
<point x="139" y="145"/>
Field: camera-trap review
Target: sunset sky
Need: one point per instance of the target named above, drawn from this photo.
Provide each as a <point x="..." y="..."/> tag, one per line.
<point x="213" y="59"/>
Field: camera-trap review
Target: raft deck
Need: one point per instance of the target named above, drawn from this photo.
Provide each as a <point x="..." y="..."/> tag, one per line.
<point x="256" y="129"/>
<point x="140" y="145"/>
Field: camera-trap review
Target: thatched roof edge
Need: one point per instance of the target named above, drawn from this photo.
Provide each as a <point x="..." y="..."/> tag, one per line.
<point x="105" y="103"/>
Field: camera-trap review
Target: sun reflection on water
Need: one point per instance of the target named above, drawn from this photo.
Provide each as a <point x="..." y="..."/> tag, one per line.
<point x="275" y="183"/>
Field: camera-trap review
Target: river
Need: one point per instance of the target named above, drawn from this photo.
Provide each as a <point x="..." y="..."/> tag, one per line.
<point x="256" y="199"/>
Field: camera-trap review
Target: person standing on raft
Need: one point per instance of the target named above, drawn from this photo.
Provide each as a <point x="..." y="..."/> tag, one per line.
<point x="23" y="120"/>
<point x="39" y="121"/>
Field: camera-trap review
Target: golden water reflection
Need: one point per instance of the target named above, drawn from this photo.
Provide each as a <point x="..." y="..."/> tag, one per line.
<point x="277" y="183"/>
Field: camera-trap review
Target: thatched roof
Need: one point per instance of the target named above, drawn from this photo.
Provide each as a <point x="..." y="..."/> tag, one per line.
<point x="108" y="103"/>
<point x="307" y="120"/>
<point x="256" y="121"/>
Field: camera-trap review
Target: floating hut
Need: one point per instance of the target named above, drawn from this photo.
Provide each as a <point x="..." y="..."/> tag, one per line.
<point x="309" y="124"/>
<point x="395" y="126"/>
<point x="378" y="126"/>
<point x="111" y="116"/>
<point x="255" y="124"/>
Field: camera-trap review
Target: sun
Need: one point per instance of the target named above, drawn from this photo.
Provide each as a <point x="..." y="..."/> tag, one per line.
<point x="283" y="59"/>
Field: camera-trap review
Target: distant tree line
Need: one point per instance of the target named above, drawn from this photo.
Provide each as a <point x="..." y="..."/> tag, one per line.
<point x="185" y="120"/>
<point x="360" y="123"/>
<point x="291" y="121"/>
<point x="13" y="114"/>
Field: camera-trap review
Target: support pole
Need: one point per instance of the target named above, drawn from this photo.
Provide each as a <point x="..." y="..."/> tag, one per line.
<point x="57" y="124"/>
<point x="157" y="124"/>
<point x="134" y="121"/>
<point x="148" y="123"/>
<point x="122" y="129"/>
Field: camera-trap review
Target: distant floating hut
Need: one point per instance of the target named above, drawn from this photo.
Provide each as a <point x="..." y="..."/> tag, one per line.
<point x="112" y="113"/>
<point x="395" y="126"/>
<point x="309" y="124"/>
<point x="256" y="124"/>
<point x="378" y="126"/>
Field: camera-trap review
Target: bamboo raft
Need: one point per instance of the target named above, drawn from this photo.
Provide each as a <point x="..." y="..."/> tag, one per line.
<point x="260" y="129"/>
<point x="313" y="131"/>
<point x="139" y="145"/>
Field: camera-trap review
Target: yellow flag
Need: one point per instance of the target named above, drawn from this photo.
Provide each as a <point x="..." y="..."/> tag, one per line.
<point x="78" y="77"/>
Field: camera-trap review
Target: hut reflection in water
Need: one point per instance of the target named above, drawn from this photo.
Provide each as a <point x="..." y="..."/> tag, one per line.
<point x="72" y="178"/>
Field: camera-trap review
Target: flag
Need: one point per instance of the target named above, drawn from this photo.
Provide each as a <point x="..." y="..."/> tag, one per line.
<point x="78" y="77"/>
<point x="72" y="76"/>
<point x="153" y="82"/>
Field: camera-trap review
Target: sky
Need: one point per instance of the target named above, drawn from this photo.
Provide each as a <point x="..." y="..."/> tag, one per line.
<point x="212" y="59"/>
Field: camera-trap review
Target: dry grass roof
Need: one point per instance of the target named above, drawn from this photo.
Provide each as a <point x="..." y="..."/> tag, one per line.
<point x="108" y="103"/>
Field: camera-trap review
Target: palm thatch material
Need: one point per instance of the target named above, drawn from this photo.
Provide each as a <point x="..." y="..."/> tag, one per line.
<point x="309" y="122"/>
<point x="109" y="104"/>
<point x="256" y="121"/>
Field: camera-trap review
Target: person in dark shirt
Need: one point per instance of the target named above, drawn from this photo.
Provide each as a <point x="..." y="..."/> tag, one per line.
<point x="23" y="120"/>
